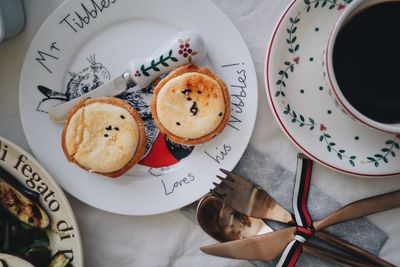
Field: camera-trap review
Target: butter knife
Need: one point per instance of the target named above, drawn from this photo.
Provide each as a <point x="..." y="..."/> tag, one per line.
<point x="182" y="48"/>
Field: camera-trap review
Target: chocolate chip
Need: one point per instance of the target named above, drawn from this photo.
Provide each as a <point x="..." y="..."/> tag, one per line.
<point x="178" y="123"/>
<point x="106" y="135"/>
<point x="116" y="128"/>
<point x="199" y="92"/>
<point x="189" y="98"/>
<point x="122" y="117"/>
<point x="194" y="109"/>
<point x="220" y="114"/>
<point x="109" y="128"/>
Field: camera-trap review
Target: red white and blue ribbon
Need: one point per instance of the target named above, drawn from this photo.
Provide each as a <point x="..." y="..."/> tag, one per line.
<point x="304" y="228"/>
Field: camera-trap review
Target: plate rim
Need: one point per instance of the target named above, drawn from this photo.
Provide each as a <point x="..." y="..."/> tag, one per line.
<point x="53" y="182"/>
<point x="268" y="89"/>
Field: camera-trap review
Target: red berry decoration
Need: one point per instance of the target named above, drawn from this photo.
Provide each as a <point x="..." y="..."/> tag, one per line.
<point x="185" y="50"/>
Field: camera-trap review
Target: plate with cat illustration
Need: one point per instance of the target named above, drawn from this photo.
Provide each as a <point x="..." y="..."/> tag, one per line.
<point x="84" y="44"/>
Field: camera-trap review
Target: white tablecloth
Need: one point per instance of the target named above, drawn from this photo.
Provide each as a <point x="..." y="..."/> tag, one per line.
<point x="171" y="239"/>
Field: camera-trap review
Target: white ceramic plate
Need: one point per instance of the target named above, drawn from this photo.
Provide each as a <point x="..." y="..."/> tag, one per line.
<point x="302" y="104"/>
<point x="77" y="49"/>
<point x="63" y="233"/>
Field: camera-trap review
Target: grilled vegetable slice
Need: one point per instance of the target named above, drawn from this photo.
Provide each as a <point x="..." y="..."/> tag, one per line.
<point x="22" y="240"/>
<point x="38" y="256"/>
<point x="25" y="209"/>
<point x="5" y="175"/>
<point x="10" y="260"/>
<point x="60" y="260"/>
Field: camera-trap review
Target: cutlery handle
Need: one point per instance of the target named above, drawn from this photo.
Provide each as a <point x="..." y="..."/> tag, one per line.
<point x="182" y="48"/>
<point x="361" y="208"/>
<point x="350" y="248"/>
<point x="329" y="255"/>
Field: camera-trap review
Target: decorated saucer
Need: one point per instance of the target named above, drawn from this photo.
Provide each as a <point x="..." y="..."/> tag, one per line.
<point x="303" y="104"/>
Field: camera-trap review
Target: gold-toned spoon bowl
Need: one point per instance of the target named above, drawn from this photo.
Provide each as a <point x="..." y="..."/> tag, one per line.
<point x="226" y="224"/>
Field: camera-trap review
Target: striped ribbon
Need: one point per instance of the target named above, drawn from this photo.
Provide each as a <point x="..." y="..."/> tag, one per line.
<point x="304" y="228"/>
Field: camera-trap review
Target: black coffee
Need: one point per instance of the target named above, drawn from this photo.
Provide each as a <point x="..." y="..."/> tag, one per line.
<point x="366" y="60"/>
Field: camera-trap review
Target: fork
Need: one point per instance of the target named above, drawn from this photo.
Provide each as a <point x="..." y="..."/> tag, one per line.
<point x="250" y="199"/>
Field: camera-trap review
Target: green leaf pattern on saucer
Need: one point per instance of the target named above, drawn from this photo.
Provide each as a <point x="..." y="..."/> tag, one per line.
<point x="388" y="151"/>
<point x="292" y="60"/>
<point x="331" y="4"/>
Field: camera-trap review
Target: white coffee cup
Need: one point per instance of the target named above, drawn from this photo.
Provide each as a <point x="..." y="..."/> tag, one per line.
<point x="352" y="9"/>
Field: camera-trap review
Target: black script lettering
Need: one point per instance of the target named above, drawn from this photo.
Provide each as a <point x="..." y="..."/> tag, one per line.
<point x="82" y="20"/>
<point x="186" y="180"/>
<point x="3" y="151"/>
<point x="232" y="122"/>
<point x="54" y="47"/>
<point x="65" y="229"/>
<point x="33" y="180"/>
<point x="68" y="23"/>
<point x="221" y="154"/>
<point x="230" y="65"/>
<point x="191" y="177"/>
<point x="21" y="159"/>
<point x="42" y="188"/>
<point x="25" y="168"/>
<point x="83" y="17"/>
<point x="237" y="100"/>
<point x="242" y="79"/>
<point x="50" y="194"/>
<point x="239" y="105"/>
<point x="35" y="177"/>
<point x="43" y="56"/>
<point x="54" y="205"/>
